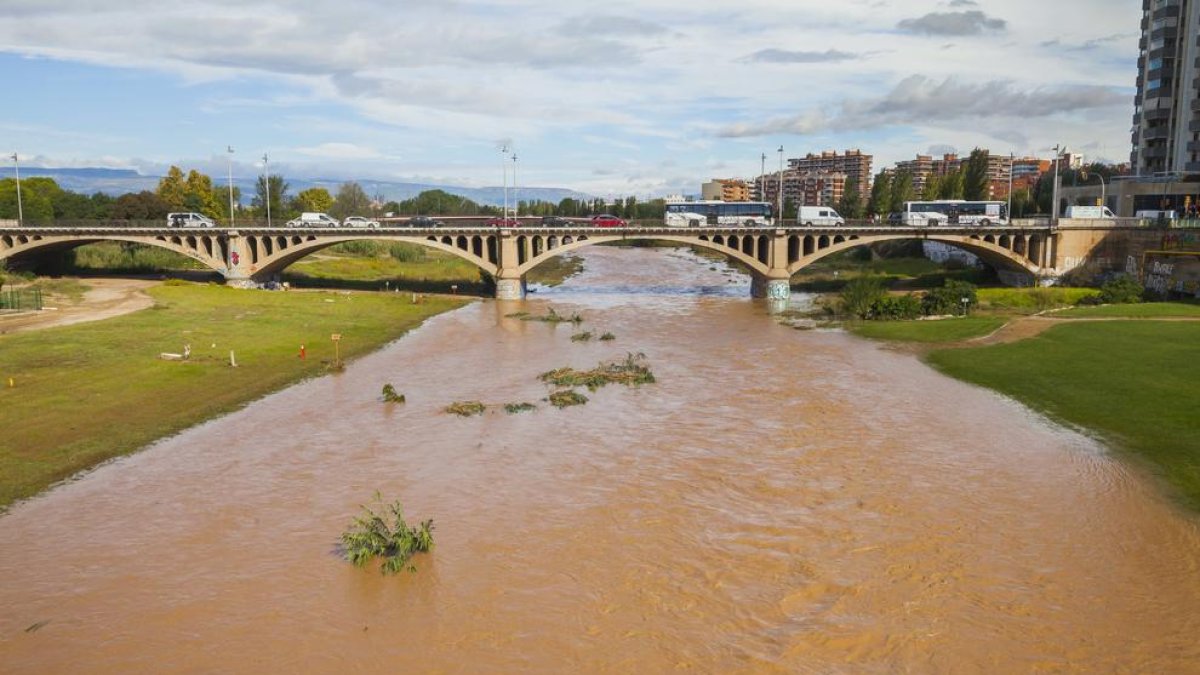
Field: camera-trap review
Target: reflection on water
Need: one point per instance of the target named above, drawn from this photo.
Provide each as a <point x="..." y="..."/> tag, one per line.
<point x="780" y="501"/>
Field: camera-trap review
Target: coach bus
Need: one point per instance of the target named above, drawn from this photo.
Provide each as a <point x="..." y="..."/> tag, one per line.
<point x="955" y="212"/>
<point x="699" y="214"/>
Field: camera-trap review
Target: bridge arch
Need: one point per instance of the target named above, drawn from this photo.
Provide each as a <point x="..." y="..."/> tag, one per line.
<point x="270" y="255"/>
<point x="746" y="249"/>
<point x="1017" y="252"/>
<point x="209" y="249"/>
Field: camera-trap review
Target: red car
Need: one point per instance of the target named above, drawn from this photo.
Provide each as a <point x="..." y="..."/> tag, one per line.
<point x="608" y="221"/>
<point x="503" y="222"/>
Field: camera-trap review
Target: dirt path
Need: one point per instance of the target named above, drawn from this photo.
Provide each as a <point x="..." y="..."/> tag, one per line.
<point x="104" y="299"/>
<point x="1025" y="327"/>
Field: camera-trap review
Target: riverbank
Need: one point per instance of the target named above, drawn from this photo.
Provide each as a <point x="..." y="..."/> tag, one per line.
<point x="87" y="393"/>
<point x="1126" y="372"/>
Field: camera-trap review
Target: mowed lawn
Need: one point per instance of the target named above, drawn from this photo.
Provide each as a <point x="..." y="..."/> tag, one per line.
<point x="93" y="391"/>
<point x="1147" y="310"/>
<point x="943" y="330"/>
<point x="1135" y="382"/>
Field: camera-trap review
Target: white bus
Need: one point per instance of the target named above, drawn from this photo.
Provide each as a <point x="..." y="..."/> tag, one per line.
<point x="954" y="212"/>
<point x="700" y="214"/>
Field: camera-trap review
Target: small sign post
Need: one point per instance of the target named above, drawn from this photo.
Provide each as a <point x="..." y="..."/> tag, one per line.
<point x="337" y="358"/>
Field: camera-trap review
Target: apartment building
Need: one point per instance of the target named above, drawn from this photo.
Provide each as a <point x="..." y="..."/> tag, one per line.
<point x="1166" y="117"/>
<point x="804" y="188"/>
<point x="854" y="164"/>
<point x="726" y="190"/>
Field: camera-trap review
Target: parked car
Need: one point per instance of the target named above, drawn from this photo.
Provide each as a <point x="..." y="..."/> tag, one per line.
<point x="503" y="222"/>
<point x="359" y="221"/>
<point x="555" y="221"/>
<point x="189" y="220"/>
<point x="424" y="221"/>
<point x="314" y="220"/>
<point x="606" y="220"/>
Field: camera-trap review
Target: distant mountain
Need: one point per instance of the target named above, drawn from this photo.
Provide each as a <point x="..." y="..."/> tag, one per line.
<point x="120" y="181"/>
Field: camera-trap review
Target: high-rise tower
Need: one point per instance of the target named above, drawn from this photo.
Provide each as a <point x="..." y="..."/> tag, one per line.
<point x="1166" y="117"/>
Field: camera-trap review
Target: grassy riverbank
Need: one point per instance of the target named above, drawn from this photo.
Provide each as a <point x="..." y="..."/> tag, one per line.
<point x="1132" y="381"/>
<point x="87" y="393"/>
<point x="928" y="332"/>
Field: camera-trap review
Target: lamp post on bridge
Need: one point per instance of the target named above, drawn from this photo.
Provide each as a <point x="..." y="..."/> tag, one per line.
<point x="267" y="185"/>
<point x="504" y="178"/>
<point x="20" y="208"/>
<point x="1058" y="149"/>
<point x="762" y="180"/>
<point x="229" y="150"/>
<point x="516" y="201"/>
<point x="782" y="215"/>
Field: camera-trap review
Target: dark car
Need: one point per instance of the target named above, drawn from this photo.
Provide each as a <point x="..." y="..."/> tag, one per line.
<point x="606" y="220"/>
<point x="424" y="221"/>
<point x="555" y="221"/>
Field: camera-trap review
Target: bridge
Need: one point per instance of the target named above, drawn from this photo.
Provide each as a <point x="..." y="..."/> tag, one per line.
<point x="246" y="256"/>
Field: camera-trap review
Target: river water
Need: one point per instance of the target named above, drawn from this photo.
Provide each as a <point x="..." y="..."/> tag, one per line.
<point x="780" y="501"/>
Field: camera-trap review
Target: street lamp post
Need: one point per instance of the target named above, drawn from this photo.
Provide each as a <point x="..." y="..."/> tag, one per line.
<point x="20" y="208"/>
<point x="516" y="201"/>
<point x="267" y="186"/>
<point x="1054" y="192"/>
<point x="229" y="150"/>
<point x="504" y="178"/>
<point x="1011" y="160"/>
<point x="762" y="180"/>
<point x="782" y="215"/>
<point x="966" y="303"/>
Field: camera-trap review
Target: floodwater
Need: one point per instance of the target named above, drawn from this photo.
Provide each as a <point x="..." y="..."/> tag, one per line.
<point x="780" y="501"/>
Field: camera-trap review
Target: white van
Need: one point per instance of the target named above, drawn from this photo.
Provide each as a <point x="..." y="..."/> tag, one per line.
<point x="818" y="216"/>
<point x="1089" y="212"/>
<point x="189" y="220"/>
<point x="1156" y="215"/>
<point x="314" y="220"/>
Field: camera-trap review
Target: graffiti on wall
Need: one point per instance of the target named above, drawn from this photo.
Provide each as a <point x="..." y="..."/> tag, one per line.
<point x="1173" y="275"/>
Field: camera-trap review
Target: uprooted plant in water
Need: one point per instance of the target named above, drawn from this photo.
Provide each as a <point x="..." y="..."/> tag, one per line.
<point x="566" y="398"/>
<point x="630" y="372"/>
<point x="466" y="408"/>
<point x="382" y="532"/>
<point x="390" y="395"/>
<point x="551" y="316"/>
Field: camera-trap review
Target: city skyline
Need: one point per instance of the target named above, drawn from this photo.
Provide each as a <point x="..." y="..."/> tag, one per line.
<point x="646" y="98"/>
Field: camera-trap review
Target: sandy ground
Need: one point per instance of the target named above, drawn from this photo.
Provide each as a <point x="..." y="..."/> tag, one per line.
<point x="104" y="299"/>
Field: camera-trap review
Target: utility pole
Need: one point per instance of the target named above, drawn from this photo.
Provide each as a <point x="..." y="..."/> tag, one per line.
<point x="782" y="215"/>
<point x="1054" y="191"/>
<point x="762" y="180"/>
<point x="229" y="150"/>
<point x="267" y="185"/>
<point x="1011" y="160"/>
<point x="20" y="208"/>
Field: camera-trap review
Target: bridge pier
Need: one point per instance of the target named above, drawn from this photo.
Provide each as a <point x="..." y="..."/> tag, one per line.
<point x="510" y="289"/>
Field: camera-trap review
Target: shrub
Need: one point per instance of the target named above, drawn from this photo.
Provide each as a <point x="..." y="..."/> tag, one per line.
<point x="861" y="294"/>
<point x="385" y="534"/>
<point x="1122" y="290"/>
<point x="390" y="395"/>
<point x="949" y="298"/>
<point x="896" y="308"/>
<point x="361" y="248"/>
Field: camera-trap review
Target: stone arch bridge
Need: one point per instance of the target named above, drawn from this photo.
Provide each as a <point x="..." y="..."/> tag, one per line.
<point x="772" y="255"/>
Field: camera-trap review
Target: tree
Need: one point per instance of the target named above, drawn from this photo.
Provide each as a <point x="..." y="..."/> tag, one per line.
<point x="172" y="189"/>
<point x="37" y="199"/>
<point x="881" y="195"/>
<point x="351" y="200"/>
<point x="314" y="200"/>
<point x="850" y="205"/>
<point x="902" y="191"/>
<point x="932" y="189"/>
<point x="199" y="196"/>
<point x="951" y="185"/>
<point x="976" y="184"/>
<point x="1022" y="203"/>
<point x="144" y="205"/>
<point x="278" y="191"/>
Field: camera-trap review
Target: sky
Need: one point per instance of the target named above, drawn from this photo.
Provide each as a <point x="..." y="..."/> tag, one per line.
<point x="645" y="97"/>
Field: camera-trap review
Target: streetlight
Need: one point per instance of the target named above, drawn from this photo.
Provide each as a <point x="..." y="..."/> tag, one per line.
<point x="516" y="202"/>
<point x="267" y="185"/>
<point x="229" y="149"/>
<point x="782" y="215"/>
<point x="1058" y="150"/>
<point x="762" y="180"/>
<point x="1083" y="173"/>
<point x="1012" y="157"/>
<point x="20" y="209"/>
<point x="504" y="174"/>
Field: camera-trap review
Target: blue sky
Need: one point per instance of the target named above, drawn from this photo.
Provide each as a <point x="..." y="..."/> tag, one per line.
<point x="648" y="97"/>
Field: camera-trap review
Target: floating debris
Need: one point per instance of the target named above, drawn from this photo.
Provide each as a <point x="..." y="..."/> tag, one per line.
<point x="517" y="408"/>
<point x="466" y="408"/>
<point x="608" y="337"/>
<point x="390" y="395"/>
<point x="385" y="534"/>
<point x="567" y="398"/>
<point x="585" y="336"/>
<point x="550" y="316"/>
<point x="630" y="372"/>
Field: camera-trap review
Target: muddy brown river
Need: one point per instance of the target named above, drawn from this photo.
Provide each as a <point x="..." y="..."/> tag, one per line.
<point x="780" y="501"/>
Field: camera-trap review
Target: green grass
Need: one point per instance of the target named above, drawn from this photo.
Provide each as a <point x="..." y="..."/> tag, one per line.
<point x="1132" y="381"/>
<point x="1032" y="299"/>
<point x="93" y="391"/>
<point x="945" y="330"/>
<point x="111" y="256"/>
<point x="830" y="275"/>
<point x="1139" y="311"/>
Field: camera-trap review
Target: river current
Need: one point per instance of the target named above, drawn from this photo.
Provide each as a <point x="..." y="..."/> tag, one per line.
<point x="779" y="501"/>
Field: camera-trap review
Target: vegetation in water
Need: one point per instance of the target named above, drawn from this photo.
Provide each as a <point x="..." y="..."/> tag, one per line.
<point x="566" y="398"/>
<point x="383" y="533"/>
<point x="630" y="372"/>
<point x="466" y="408"/>
<point x="585" y="336"/>
<point x="390" y="395"/>
<point x="608" y="337"/>
<point x="517" y="408"/>
<point x="551" y="316"/>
